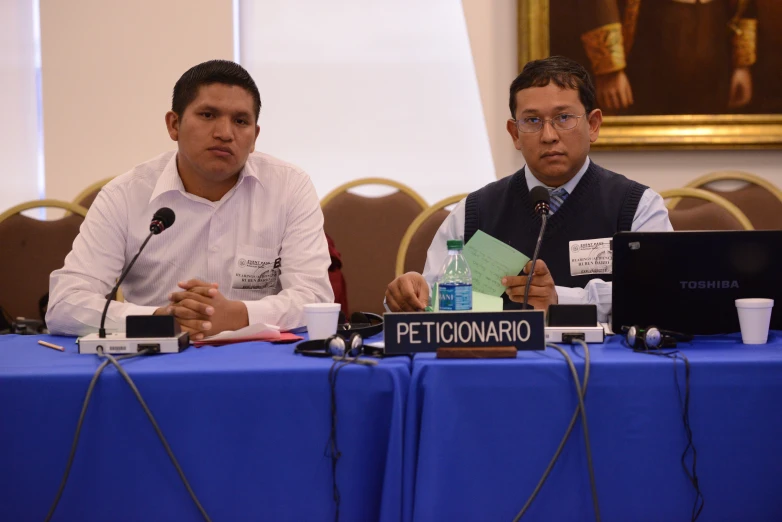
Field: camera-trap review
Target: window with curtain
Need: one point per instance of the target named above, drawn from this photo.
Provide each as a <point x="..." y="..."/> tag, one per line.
<point x="20" y="136"/>
<point x="371" y="88"/>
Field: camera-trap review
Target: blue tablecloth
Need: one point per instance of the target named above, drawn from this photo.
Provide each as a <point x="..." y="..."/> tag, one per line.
<point x="249" y="423"/>
<point x="480" y="433"/>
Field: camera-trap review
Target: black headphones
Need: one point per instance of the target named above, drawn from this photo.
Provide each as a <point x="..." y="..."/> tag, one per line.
<point x="653" y="338"/>
<point x="349" y="339"/>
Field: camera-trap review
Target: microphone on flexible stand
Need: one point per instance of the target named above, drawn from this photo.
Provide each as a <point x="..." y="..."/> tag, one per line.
<point x="541" y="198"/>
<point x="161" y="220"/>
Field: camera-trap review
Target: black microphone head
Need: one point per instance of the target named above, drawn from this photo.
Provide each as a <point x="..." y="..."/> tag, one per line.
<point x="541" y="199"/>
<point x="162" y="220"/>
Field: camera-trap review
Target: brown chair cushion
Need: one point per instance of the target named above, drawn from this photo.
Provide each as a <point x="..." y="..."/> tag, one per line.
<point x="87" y="200"/>
<point x="421" y="240"/>
<point x="763" y="208"/>
<point x="32" y="249"/>
<point x="707" y="216"/>
<point x="368" y="232"/>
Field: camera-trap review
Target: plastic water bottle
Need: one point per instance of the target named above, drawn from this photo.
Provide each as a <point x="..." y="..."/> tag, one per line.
<point x="455" y="280"/>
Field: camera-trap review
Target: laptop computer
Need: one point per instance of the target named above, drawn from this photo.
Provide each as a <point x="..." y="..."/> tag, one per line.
<point x="688" y="281"/>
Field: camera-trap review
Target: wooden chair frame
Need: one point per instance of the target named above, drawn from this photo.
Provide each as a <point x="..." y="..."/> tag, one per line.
<point x="404" y="245"/>
<point x="688" y="192"/>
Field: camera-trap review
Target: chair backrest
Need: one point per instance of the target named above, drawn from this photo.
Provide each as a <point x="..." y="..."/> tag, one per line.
<point x="419" y="236"/>
<point x="717" y="213"/>
<point x="32" y="249"/>
<point x="367" y="231"/>
<point x="88" y="195"/>
<point x="758" y="198"/>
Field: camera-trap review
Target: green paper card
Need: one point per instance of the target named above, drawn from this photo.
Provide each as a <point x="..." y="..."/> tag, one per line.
<point x="490" y="260"/>
<point x="485" y="303"/>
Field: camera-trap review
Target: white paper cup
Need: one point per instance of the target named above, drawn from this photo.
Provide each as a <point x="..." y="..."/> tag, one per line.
<point x="321" y="319"/>
<point x="754" y="318"/>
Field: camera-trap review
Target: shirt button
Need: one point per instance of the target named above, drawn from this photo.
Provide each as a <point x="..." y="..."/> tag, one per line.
<point x="214" y="249"/>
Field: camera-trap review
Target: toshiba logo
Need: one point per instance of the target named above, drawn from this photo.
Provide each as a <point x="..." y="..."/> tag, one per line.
<point x="708" y="285"/>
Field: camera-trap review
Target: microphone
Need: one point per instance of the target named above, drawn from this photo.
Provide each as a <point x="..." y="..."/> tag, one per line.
<point x="541" y="199"/>
<point x="161" y="220"/>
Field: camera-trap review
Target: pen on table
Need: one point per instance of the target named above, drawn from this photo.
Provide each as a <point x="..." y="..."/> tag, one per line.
<point x="50" y="345"/>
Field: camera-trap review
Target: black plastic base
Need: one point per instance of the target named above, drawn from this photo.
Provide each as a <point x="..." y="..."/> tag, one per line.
<point x="151" y="326"/>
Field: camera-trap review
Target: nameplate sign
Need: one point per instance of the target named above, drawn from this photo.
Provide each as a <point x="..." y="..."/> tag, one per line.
<point x="416" y="332"/>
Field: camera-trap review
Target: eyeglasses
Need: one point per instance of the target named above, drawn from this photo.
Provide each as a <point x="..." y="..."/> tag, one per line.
<point x="559" y="122"/>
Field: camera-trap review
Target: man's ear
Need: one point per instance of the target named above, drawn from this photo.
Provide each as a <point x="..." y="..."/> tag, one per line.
<point x="595" y="120"/>
<point x="172" y="124"/>
<point x="257" y="132"/>
<point x="513" y="130"/>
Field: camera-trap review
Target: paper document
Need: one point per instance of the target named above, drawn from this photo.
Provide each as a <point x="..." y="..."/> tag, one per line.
<point x="486" y="303"/>
<point x="490" y="260"/>
<point x="257" y="332"/>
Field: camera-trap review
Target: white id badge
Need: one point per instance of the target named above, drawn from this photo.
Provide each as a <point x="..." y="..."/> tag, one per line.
<point x="256" y="269"/>
<point x="591" y="256"/>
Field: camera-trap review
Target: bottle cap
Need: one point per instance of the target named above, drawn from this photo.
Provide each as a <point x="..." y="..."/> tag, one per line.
<point x="455" y="244"/>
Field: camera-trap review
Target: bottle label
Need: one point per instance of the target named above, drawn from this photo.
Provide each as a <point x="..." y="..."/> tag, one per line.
<point x="455" y="296"/>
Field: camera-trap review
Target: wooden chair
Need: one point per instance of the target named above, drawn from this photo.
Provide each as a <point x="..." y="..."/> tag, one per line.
<point x="716" y="214"/>
<point x="758" y="198"/>
<point x="419" y="235"/>
<point x="367" y="232"/>
<point x="32" y="249"/>
<point x="88" y="195"/>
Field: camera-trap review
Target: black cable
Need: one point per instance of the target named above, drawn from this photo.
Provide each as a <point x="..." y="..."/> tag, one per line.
<point x="332" y="448"/>
<point x="160" y="435"/>
<point x="76" y="436"/>
<point x="684" y="403"/>
<point x="581" y="392"/>
<point x="113" y="294"/>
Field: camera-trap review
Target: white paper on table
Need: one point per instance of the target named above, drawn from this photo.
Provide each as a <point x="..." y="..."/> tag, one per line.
<point x="607" y="328"/>
<point x="260" y="331"/>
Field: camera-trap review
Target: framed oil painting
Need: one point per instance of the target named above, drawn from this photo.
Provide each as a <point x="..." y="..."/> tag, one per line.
<point x="670" y="74"/>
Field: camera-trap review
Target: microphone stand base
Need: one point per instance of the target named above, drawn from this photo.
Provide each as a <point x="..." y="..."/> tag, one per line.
<point x="566" y="334"/>
<point x="119" y="343"/>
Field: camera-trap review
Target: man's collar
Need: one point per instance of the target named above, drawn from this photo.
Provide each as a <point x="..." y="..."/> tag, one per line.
<point x="169" y="179"/>
<point x="532" y="181"/>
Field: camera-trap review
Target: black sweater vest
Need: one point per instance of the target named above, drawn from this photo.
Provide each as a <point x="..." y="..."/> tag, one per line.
<point x="602" y="204"/>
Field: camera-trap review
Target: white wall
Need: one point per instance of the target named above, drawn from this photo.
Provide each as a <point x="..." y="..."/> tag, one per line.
<point x="672" y="169"/>
<point x="19" y="132"/>
<point x="108" y="72"/>
<point x="492" y="27"/>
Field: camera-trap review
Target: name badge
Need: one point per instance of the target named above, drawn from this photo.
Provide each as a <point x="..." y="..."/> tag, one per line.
<point x="591" y="256"/>
<point x="255" y="272"/>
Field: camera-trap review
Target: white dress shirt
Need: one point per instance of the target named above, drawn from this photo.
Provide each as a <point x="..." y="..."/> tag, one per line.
<point x="263" y="243"/>
<point x="651" y="215"/>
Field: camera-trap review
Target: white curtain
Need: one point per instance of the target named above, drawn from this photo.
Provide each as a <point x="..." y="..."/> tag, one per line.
<point x="354" y="89"/>
<point x="19" y="76"/>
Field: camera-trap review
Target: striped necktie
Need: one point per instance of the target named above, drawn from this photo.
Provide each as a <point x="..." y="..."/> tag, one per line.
<point x="558" y="196"/>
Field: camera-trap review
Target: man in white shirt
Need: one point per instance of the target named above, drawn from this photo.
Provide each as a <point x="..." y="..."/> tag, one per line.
<point x="554" y="121"/>
<point x="248" y="244"/>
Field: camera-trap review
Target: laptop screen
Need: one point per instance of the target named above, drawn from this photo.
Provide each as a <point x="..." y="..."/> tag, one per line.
<point x="688" y="281"/>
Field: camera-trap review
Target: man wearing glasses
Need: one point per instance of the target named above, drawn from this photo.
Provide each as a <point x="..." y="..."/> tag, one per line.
<point x="554" y="119"/>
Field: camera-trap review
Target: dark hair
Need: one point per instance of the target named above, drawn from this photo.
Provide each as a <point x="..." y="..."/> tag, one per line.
<point x="564" y="72"/>
<point x="207" y="73"/>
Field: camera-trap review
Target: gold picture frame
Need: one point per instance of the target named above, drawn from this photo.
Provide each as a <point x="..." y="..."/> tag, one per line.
<point x="724" y="131"/>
